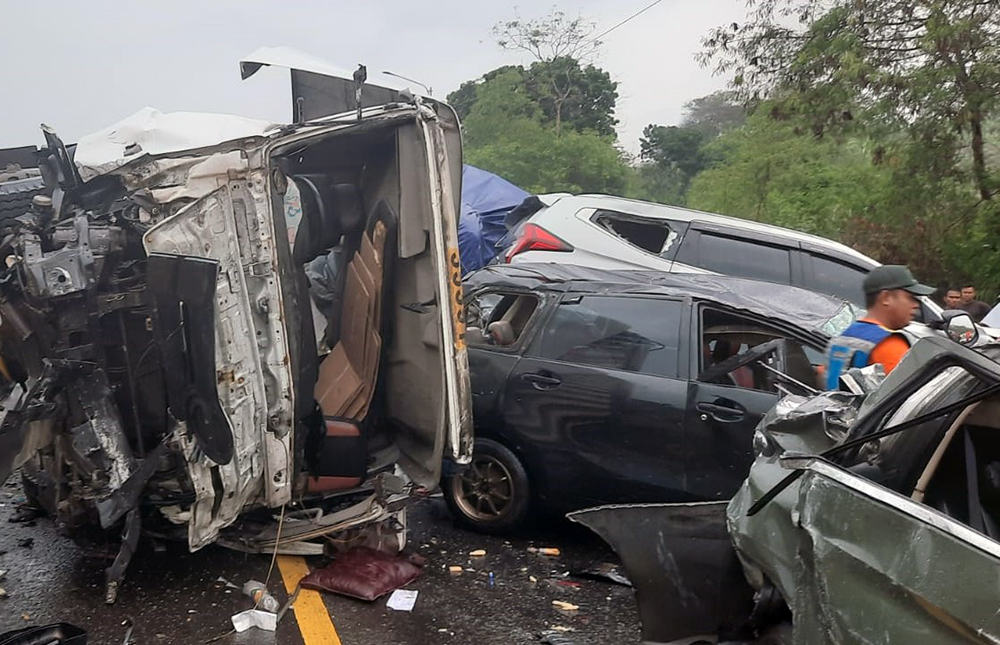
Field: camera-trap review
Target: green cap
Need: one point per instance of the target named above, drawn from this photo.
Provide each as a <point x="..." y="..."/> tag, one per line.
<point x="894" y="276"/>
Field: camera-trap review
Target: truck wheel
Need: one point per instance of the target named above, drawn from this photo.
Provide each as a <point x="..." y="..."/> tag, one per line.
<point x="492" y="495"/>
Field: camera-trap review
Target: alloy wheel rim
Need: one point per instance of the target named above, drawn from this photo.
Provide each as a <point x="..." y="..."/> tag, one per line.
<point x="485" y="491"/>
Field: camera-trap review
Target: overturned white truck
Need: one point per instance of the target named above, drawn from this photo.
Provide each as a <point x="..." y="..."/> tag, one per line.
<point x="208" y="316"/>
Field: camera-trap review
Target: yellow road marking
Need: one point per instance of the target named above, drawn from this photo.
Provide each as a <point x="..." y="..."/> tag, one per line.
<point x="310" y="612"/>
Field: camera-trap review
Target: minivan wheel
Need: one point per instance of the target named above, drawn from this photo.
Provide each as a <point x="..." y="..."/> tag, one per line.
<point x="492" y="495"/>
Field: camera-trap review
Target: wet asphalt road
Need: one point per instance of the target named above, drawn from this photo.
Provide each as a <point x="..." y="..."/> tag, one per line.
<point x="173" y="596"/>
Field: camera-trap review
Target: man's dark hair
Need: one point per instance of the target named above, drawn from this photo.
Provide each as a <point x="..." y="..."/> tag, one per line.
<point x="958" y="289"/>
<point x="870" y="299"/>
<point x="967" y="285"/>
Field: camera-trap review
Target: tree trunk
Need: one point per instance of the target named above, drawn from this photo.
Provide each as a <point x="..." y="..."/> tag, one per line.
<point x="978" y="155"/>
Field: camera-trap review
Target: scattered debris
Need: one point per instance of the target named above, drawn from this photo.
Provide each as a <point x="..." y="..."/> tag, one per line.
<point x="3" y="593"/>
<point x="533" y="578"/>
<point x="228" y="584"/>
<point x="605" y="571"/>
<point x="402" y="600"/>
<point x="555" y="637"/>
<point x="26" y="514"/>
<point x="3" y="574"/>
<point x="255" y="618"/>
<point x="492" y="579"/>
<point x="567" y="583"/>
<point x="478" y="553"/>
<point x="565" y="606"/>
<point x="544" y="550"/>
<point x="127" y="624"/>
<point x="26" y="543"/>
<point x="257" y="592"/>
<point x="561" y="628"/>
<point x="455" y="568"/>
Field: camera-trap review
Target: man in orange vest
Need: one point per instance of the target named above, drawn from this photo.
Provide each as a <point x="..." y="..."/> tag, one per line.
<point x="890" y="296"/>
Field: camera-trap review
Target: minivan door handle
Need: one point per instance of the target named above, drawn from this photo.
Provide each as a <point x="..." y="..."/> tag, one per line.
<point x="722" y="413"/>
<point x="541" y="381"/>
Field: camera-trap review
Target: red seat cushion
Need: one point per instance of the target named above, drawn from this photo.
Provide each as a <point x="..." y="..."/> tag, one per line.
<point x="363" y="573"/>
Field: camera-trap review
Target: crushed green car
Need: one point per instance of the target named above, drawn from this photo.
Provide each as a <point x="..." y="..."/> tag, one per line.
<point x="869" y="517"/>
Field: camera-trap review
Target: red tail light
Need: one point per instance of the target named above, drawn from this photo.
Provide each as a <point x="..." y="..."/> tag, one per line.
<point x="535" y="238"/>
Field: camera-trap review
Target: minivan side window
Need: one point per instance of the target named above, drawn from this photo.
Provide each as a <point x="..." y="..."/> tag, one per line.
<point x="733" y="256"/>
<point x="625" y="333"/>
<point x="837" y="279"/>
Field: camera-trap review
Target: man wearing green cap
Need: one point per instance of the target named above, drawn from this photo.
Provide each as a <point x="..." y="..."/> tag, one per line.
<point x="890" y="292"/>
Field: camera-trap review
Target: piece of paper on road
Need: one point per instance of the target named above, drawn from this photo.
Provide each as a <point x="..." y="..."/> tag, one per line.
<point x="255" y="618"/>
<point x="402" y="600"/>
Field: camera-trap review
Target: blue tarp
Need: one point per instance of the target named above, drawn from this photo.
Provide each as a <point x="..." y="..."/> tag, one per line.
<point x="486" y="199"/>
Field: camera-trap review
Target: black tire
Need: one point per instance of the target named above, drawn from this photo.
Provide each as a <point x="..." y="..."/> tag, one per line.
<point x="493" y="494"/>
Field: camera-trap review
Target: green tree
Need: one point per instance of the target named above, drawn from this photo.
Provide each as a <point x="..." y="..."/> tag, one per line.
<point x="674" y="147"/>
<point x="505" y="133"/>
<point x="466" y="95"/>
<point x="582" y="98"/>
<point x="568" y="91"/>
<point x="589" y="103"/>
<point x="876" y="197"/>
<point x="714" y="114"/>
<point x="930" y="67"/>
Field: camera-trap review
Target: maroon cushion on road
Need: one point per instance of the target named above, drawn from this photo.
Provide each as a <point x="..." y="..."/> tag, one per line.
<point x="363" y="573"/>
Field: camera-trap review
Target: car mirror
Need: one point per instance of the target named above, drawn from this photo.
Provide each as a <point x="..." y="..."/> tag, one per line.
<point x="475" y="336"/>
<point x="961" y="329"/>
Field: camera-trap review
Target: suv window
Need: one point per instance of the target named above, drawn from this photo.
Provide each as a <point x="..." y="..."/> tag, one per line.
<point x="733" y="256"/>
<point x="837" y="279"/>
<point x="623" y="333"/>
<point x="498" y="318"/>
<point x="651" y="236"/>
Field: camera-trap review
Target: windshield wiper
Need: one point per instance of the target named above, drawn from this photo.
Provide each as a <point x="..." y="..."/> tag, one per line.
<point x="860" y="441"/>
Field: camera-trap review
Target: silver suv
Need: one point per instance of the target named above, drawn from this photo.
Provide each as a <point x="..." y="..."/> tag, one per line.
<point x="617" y="233"/>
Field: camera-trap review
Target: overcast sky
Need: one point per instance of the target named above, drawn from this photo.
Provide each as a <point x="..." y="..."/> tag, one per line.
<point x="80" y="66"/>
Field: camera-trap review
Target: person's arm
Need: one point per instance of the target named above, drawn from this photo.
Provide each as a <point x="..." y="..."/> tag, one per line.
<point x="889" y="352"/>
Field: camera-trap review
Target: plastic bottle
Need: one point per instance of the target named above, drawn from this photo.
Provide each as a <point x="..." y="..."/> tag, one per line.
<point x="258" y="593"/>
